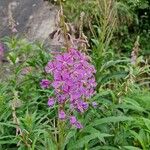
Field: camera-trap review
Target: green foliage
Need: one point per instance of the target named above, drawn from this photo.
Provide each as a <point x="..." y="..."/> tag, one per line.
<point x="121" y="120"/>
<point x="131" y="18"/>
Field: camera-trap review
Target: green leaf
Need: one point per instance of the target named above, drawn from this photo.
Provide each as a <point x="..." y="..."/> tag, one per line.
<point x="139" y="138"/>
<point x="147" y="123"/>
<point x="86" y="139"/>
<point x="68" y="137"/>
<point x="131" y="107"/>
<point x="112" y="119"/>
<point x="104" y="148"/>
<point x="132" y="148"/>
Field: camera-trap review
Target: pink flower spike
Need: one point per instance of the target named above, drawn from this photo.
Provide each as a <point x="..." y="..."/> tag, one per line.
<point x="51" y="102"/>
<point x="73" y="83"/>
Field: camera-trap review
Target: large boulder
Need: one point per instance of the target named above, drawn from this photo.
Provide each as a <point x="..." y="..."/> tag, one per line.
<point x="34" y="19"/>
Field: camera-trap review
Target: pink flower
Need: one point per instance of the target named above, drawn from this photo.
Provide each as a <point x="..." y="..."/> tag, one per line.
<point x="73" y="120"/>
<point x="94" y="104"/>
<point x="51" y="102"/>
<point x="85" y="105"/>
<point x="50" y="67"/>
<point x="45" y="83"/>
<point x="62" y="115"/>
<point x="78" y="125"/>
<point x="62" y="98"/>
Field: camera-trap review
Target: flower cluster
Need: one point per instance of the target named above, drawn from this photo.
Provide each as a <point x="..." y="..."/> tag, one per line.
<point x="73" y="82"/>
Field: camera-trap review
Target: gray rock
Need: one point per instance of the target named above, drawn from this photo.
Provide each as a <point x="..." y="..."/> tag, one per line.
<point x="33" y="19"/>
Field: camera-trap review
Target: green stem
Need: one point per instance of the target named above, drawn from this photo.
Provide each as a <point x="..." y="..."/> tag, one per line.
<point x="61" y="137"/>
<point x="63" y="26"/>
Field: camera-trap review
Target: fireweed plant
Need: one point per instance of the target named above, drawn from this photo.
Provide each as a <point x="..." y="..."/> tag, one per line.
<point x="73" y="83"/>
